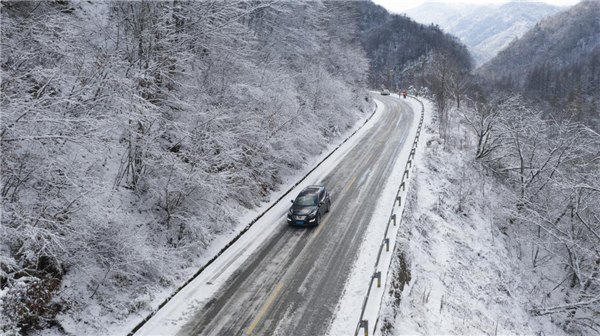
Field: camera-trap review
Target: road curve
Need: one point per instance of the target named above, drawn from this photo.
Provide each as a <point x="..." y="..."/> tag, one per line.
<point x="293" y="282"/>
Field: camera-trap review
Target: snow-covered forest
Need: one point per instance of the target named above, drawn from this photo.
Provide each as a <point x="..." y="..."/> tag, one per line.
<point x="520" y="157"/>
<point x="400" y="50"/>
<point x="556" y="63"/>
<point x="502" y="230"/>
<point x="134" y="132"/>
<point x="484" y="27"/>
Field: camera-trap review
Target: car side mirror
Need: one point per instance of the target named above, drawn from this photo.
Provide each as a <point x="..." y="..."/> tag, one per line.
<point x="292" y="201"/>
<point x="321" y="203"/>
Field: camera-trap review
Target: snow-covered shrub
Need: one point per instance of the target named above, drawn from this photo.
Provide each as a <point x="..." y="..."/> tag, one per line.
<point x="551" y="167"/>
<point x="28" y="304"/>
<point x="134" y="133"/>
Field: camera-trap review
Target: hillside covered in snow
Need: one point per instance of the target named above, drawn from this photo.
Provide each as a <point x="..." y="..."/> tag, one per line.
<point x="485" y="29"/>
<point x="557" y="63"/>
<point x="134" y="133"/>
<point x="139" y="138"/>
<point x="400" y="50"/>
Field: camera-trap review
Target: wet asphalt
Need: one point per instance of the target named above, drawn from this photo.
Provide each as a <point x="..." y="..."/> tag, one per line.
<point x="292" y="284"/>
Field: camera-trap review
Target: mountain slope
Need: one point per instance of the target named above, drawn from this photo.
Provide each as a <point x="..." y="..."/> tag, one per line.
<point x="397" y="42"/>
<point x="562" y="39"/>
<point x="556" y="63"/>
<point x="484" y="29"/>
<point x="135" y="135"/>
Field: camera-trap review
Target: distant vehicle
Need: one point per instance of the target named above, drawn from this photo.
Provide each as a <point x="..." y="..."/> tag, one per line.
<point x="385" y="92"/>
<point x="310" y="205"/>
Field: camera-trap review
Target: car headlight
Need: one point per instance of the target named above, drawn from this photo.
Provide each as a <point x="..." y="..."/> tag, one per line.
<point x="290" y="212"/>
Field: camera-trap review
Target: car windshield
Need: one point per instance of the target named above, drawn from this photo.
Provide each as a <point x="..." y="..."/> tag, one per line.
<point x="306" y="200"/>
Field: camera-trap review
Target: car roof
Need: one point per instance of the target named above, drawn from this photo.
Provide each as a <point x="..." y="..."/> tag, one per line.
<point x="312" y="189"/>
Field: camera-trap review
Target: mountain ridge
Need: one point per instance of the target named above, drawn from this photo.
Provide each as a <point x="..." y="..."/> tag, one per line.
<point x="557" y="63"/>
<point x="550" y="39"/>
<point x="394" y="41"/>
<point x="485" y="29"/>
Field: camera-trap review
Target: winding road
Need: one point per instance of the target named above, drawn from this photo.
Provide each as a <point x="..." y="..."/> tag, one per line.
<point x="292" y="283"/>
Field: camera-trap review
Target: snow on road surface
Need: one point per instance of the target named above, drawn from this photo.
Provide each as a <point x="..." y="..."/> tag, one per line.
<point x="349" y="308"/>
<point x="181" y="307"/>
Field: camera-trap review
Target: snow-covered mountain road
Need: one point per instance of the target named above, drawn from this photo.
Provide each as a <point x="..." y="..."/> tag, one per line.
<point x="293" y="281"/>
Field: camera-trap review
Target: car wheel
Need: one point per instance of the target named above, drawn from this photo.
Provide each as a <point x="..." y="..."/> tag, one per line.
<point x="328" y="206"/>
<point x="318" y="220"/>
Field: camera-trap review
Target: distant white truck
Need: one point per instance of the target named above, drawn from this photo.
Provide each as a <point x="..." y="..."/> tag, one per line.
<point x="385" y="92"/>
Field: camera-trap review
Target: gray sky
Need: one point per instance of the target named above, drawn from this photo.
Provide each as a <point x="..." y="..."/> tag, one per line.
<point x="398" y="6"/>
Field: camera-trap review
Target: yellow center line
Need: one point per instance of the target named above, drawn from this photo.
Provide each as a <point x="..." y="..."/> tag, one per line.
<point x="264" y="310"/>
<point x="369" y="159"/>
<point x="351" y="183"/>
<point x="321" y="226"/>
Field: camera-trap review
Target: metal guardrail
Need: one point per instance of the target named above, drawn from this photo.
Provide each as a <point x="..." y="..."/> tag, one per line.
<point x="239" y="235"/>
<point x="363" y="323"/>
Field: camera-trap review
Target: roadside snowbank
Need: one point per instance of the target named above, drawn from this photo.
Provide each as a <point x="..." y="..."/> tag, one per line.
<point x="349" y="308"/>
<point x="126" y="172"/>
<point x="462" y="278"/>
<point x="170" y="318"/>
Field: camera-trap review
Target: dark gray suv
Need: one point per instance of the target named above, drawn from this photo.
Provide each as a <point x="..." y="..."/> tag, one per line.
<point x="309" y="206"/>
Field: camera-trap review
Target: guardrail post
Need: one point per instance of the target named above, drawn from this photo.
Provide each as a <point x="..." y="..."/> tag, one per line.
<point x="378" y="276"/>
<point x="365" y="325"/>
